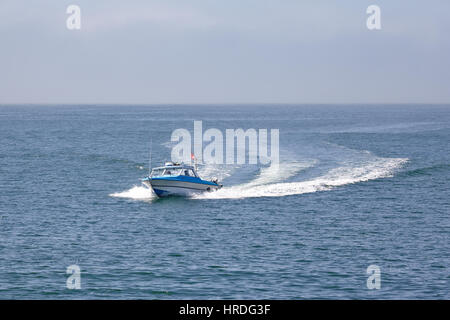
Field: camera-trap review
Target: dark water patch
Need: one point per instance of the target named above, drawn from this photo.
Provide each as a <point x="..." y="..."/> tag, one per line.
<point x="428" y="171"/>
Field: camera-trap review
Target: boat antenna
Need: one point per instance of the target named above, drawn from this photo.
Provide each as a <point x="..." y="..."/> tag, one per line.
<point x="150" y="158"/>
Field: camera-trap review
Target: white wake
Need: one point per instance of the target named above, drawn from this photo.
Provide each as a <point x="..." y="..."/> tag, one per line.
<point x="271" y="181"/>
<point x="374" y="169"/>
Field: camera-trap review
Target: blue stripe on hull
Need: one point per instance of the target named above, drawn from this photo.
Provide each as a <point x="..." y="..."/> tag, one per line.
<point x="179" y="186"/>
<point x="185" y="179"/>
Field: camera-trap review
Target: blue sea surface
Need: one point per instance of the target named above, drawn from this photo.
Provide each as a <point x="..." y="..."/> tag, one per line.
<point x="357" y="185"/>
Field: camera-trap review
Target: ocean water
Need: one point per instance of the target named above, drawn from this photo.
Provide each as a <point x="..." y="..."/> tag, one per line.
<point x="357" y="185"/>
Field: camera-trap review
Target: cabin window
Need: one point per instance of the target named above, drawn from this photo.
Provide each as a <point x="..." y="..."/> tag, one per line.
<point x="157" y="172"/>
<point x="173" y="172"/>
<point x="188" y="172"/>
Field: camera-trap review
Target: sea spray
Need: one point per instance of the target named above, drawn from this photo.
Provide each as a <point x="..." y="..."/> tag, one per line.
<point x="136" y="192"/>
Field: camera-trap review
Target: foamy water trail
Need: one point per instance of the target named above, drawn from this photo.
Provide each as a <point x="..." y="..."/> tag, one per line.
<point x="137" y="193"/>
<point x="356" y="166"/>
<point x="278" y="173"/>
<point x="374" y="169"/>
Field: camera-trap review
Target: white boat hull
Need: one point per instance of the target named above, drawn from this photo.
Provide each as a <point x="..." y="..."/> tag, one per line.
<point x="164" y="188"/>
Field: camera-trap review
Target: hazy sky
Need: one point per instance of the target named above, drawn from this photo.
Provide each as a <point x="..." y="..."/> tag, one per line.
<point x="227" y="51"/>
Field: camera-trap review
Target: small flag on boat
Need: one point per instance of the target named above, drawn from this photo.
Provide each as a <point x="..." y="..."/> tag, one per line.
<point x="192" y="156"/>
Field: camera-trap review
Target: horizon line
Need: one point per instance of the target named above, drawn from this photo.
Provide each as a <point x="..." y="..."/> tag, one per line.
<point x="217" y="103"/>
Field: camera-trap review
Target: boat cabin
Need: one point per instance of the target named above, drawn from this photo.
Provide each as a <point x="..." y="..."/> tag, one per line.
<point x="172" y="169"/>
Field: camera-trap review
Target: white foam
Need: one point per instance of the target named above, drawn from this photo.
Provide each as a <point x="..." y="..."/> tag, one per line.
<point x="137" y="193"/>
<point x="278" y="173"/>
<point x="374" y="169"/>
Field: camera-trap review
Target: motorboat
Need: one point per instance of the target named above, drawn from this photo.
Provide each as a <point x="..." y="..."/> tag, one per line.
<point x="177" y="179"/>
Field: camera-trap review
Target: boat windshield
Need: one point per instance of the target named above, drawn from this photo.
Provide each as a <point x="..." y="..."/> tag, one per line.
<point x="171" y="172"/>
<point x="157" y="172"/>
<point x="166" y="172"/>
